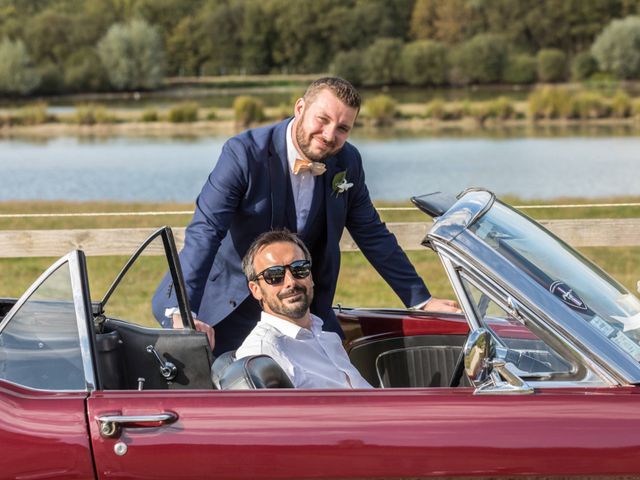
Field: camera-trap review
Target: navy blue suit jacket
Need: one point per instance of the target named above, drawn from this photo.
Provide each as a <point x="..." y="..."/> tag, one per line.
<point x="246" y="195"/>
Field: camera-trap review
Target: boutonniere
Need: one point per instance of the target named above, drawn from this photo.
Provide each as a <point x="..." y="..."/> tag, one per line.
<point x="340" y="184"/>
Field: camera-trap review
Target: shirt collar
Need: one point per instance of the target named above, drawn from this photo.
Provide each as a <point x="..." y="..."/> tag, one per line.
<point x="290" y="329"/>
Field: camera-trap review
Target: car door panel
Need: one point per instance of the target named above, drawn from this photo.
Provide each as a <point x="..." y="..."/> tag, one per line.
<point x="48" y="426"/>
<point x="398" y="433"/>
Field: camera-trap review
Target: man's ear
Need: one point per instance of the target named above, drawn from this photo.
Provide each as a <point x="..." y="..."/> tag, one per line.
<point x="256" y="291"/>
<point x="298" y="108"/>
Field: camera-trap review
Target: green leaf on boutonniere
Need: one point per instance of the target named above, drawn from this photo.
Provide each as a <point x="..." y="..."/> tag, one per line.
<point x="338" y="178"/>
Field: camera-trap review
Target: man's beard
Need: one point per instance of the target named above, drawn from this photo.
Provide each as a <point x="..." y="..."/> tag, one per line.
<point x="304" y="143"/>
<point x="296" y="311"/>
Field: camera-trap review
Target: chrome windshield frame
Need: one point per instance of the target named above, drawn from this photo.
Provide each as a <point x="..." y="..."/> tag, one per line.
<point x="452" y="231"/>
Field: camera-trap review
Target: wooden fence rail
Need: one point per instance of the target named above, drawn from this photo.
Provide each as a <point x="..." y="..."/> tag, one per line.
<point x="124" y="241"/>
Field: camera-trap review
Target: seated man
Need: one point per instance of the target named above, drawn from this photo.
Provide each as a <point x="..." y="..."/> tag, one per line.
<point x="287" y="331"/>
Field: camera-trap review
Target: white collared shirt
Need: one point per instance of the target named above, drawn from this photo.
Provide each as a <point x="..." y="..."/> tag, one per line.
<point x="301" y="184"/>
<point x="311" y="358"/>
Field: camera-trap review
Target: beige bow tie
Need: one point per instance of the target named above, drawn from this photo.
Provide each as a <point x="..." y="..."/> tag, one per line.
<point x="302" y="165"/>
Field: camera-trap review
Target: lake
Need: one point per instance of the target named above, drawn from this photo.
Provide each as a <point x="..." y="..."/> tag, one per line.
<point x="397" y="167"/>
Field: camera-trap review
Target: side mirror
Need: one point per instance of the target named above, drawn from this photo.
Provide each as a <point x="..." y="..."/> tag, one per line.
<point x="479" y="349"/>
<point x="489" y="374"/>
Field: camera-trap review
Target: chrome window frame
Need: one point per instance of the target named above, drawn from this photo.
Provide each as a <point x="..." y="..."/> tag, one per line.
<point x="82" y="307"/>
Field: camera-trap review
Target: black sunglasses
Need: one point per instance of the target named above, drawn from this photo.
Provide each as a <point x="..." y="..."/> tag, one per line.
<point x="275" y="275"/>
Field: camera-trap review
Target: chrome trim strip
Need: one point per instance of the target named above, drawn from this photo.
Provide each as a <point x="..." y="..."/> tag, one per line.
<point x="84" y="315"/>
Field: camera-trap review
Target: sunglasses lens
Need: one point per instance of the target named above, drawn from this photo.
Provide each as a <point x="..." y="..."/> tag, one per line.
<point x="300" y="269"/>
<point x="273" y="275"/>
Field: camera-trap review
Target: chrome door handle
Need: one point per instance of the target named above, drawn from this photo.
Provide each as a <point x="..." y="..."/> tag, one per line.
<point x="111" y="425"/>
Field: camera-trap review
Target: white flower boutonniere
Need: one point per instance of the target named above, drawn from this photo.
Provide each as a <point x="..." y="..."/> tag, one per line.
<point x="340" y="184"/>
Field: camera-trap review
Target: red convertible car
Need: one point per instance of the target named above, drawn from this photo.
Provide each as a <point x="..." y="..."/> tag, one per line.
<point x="538" y="378"/>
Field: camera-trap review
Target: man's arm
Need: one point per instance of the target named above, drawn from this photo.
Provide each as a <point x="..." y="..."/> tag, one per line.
<point x="215" y="207"/>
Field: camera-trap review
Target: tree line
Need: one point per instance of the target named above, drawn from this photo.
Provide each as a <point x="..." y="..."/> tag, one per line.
<point x="59" y="46"/>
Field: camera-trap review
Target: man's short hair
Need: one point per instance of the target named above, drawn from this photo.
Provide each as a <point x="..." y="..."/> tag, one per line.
<point x="342" y="89"/>
<point x="268" y="238"/>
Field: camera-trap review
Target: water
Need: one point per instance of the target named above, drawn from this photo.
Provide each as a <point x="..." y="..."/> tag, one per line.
<point x="174" y="169"/>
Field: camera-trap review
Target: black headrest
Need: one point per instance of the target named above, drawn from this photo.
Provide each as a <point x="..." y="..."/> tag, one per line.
<point x="220" y="365"/>
<point x="256" y="371"/>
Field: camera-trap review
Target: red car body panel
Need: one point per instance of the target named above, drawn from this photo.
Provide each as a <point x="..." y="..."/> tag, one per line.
<point x="51" y="427"/>
<point x="374" y="434"/>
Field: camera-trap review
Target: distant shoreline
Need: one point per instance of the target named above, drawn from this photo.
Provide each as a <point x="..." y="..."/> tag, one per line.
<point x="229" y="127"/>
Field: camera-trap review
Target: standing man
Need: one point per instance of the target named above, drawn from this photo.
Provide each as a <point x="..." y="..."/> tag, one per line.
<point x="299" y="174"/>
<point x="278" y="269"/>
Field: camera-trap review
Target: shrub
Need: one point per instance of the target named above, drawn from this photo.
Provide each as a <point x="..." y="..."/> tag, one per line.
<point x="150" y="115"/>
<point x="211" y="114"/>
<point x="552" y="65"/>
<point x="621" y="105"/>
<point x="132" y="55"/>
<point x="501" y="108"/>
<point x="424" y="63"/>
<point x="617" y="48"/>
<point x="183" y="112"/>
<point x="635" y="107"/>
<point x="348" y="65"/>
<point x="380" y="62"/>
<point x="51" y="78"/>
<point x="436" y="109"/>
<point x="520" y="69"/>
<point x="479" y="60"/>
<point x="549" y="102"/>
<point x="34" y="114"/>
<point x="587" y="105"/>
<point x="91" y="114"/>
<point x="247" y="110"/>
<point x="583" y="66"/>
<point x="17" y="74"/>
<point x="381" y="109"/>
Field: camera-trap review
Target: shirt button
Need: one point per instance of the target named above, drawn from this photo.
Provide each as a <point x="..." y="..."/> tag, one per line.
<point x="232" y="303"/>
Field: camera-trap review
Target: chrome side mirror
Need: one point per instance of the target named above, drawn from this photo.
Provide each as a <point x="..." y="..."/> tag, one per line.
<point x="479" y="349"/>
<point x="489" y="374"/>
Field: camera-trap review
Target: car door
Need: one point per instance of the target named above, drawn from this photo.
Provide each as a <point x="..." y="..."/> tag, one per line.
<point x="45" y="375"/>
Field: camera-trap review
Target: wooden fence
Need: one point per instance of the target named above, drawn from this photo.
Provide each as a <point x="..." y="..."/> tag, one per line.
<point x="124" y="241"/>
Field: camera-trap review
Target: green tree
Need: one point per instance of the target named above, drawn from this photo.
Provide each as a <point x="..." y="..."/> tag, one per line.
<point x="423" y="17"/>
<point x="83" y="72"/>
<point x="257" y="37"/>
<point x="552" y="65"/>
<point x="424" y="63"/>
<point x="132" y="56"/>
<point x="583" y="66"/>
<point x="185" y="52"/>
<point x="617" y="48"/>
<point x="380" y="62"/>
<point x="17" y="74"/>
<point x="520" y="69"/>
<point x="479" y="60"/>
<point x="47" y="36"/>
<point x="220" y="29"/>
<point x="348" y="65"/>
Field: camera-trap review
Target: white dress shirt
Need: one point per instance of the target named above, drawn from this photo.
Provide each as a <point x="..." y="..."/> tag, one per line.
<point x="301" y="184"/>
<point x="311" y="358"/>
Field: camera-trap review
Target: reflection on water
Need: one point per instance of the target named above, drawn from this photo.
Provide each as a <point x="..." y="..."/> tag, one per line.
<point x="528" y="162"/>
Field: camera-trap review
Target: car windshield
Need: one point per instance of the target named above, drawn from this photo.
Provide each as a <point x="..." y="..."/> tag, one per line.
<point x="580" y="285"/>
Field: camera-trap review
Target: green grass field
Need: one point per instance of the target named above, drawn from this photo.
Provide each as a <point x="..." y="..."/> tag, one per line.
<point x="358" y="283"/>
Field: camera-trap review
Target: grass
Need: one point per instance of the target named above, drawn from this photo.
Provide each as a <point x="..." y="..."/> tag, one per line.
<point x="358" y="283"/>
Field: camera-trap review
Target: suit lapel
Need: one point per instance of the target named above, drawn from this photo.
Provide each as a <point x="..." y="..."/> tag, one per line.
<point x="335" y="203"/>
<point x="279" y="175"/>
